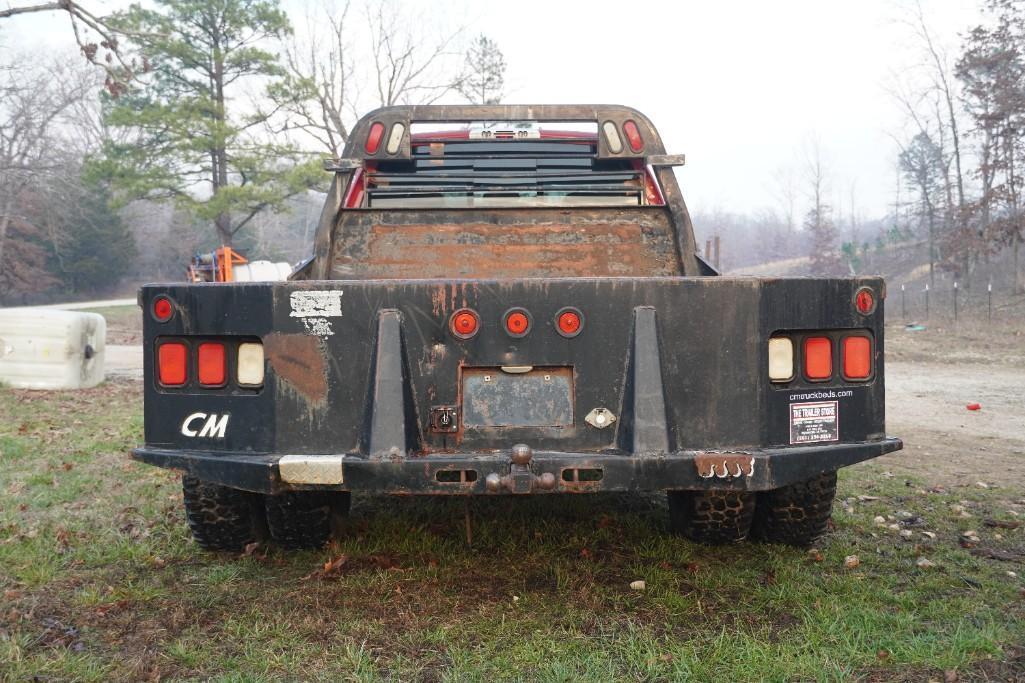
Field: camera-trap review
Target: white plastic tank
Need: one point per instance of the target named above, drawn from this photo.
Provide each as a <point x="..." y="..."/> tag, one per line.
<point x="51" y="349"/>
<point x="261" y="271"/>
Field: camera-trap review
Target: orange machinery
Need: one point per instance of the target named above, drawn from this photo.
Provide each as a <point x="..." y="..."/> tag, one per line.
<point x="215" y="266"/>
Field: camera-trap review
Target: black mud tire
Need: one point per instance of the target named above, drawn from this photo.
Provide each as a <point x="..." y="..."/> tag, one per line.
<point x="711" y="517"/>
<point x="797" y="514"/>
<point x="221" y="518"/>
<point x="301" y="520"/>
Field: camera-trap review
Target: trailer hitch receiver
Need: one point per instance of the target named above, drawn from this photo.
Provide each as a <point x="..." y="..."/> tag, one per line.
<point x="521" y="479"/>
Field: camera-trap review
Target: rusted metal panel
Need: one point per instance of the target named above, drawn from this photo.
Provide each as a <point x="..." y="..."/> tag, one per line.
<point x="299" y="362"/>
<point x="515" y="243"/>
<point x="724" y="465"/>
<point x="542" y="397"/>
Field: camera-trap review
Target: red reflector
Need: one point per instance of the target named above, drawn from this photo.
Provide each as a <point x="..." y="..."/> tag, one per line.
<point x="865" y="301"/>
<point x="633" y="136"/>
<point x="569" y="323"/>
<point x="465" y="323"/>
<point x="162" y="309"/>
<point x="172" y="364"/>
<point x="211" y="364"/>
<point x="818" y="358"/>
<point x="857" y="357"/>
<point x="517" y="323"/>
<point x="374" y="137"/>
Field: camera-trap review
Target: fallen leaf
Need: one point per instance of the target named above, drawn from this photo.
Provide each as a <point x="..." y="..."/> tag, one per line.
<point x="331" y="570"/>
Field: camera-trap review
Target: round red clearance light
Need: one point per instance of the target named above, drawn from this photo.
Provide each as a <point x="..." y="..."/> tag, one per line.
<point x="569" y="322"/>
<point x="865" y="301"/>
<point x="633" y="136"/>
<point x="374" y="137"/>
<point x="465" y="323"/>
<point x="162" y="309"/>
<point x="517" y="322"/>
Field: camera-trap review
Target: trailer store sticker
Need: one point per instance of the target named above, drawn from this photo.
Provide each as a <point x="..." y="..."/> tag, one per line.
<point x="813" y="422"/>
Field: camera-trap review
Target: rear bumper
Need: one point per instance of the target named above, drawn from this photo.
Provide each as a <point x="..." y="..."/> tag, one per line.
<point x="494" y="473"/>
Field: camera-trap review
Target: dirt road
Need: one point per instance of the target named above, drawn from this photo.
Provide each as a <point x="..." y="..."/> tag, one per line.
<point x="944" y="441"/>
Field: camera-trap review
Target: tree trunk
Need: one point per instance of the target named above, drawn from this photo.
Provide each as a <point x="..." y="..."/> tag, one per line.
<point x="1017" y="267"/>
<point x="932" y="244"/>
<point x="5" y="220"/>
<point x="223" y="225"/>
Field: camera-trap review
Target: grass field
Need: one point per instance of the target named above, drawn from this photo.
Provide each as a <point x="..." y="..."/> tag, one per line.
<point x="101" y="581"/>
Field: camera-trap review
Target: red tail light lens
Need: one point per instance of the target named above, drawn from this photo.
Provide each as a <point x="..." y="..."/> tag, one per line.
<point x="465" y="323"/>
<point x="162" y="309"/>
<point x="857" y="357"/>
<point x="633" y="136"/>
<point x="865" y="301"/>
<point x="517" y="323"/>
<point x="210" y="365"/>
<point x="172" y="364"/>
<point x="374" y="137"/>
<point x="569" y="322"/>
<point x="818" y="358"/>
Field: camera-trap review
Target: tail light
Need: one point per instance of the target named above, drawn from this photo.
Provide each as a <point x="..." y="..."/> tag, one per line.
<point x="374" y="137"/>
<point x="781" y="359"/>
<point x="612" y="138"/>
<point x="633" y="136"/>
<point x="172" y="364"/>
<point x="395" y="138"/>
<point x="465" y="323"/>
<point x="865" y="301"/>
<point x="210" y="365"/>
<point x="569" y="322"/>
<point x="818" y="358"/>
<point x="857" y="357"/>
<point x="250" y="364"/>
<point x="163" y="309"/>
<point x="517" y="322"/>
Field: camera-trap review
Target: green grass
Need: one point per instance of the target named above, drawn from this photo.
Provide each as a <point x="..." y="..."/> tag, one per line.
<point x="102" y="582"/>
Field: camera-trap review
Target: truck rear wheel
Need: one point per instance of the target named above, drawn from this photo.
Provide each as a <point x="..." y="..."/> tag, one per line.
<point x="796" y="514"/>
<point x="221" y="518"/>
<point x="300" y="520"/>
<point x="711" y="517"/>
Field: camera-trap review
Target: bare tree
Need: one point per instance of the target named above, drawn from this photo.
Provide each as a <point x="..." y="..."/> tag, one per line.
<point x="100" y="42"/>
<point x="818" y="221"/>
<point x="921" y="162"/>
<point x="485" y="72"/>
<point x="35" y="97"/>
<point x="410" y="62"/>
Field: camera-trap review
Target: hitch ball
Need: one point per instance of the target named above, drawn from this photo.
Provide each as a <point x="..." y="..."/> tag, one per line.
<point x="522" y="454"/>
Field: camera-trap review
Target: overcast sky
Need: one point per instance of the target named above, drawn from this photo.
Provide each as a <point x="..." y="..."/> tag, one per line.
<point x="740" y="87"/>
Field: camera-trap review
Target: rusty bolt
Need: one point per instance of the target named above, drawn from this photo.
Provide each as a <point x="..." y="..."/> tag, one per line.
<point x="493" y="482"/>
<point x="546" y="481"/>
<point x="522" y="454"/>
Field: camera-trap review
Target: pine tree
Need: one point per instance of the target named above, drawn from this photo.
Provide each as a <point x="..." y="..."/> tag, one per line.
<point x="190" y="134"/>
<point x="484" y="79"/>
